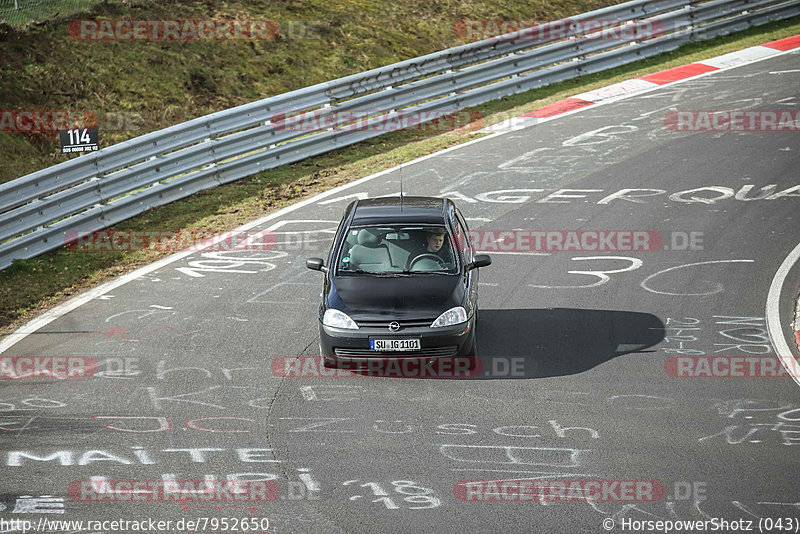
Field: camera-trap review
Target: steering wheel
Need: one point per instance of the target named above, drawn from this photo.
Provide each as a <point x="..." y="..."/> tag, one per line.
<point x="427" y="256"/>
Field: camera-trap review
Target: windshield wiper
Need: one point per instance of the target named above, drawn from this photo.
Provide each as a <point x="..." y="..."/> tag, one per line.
<point x="359" y="271"/>
<point x="407" y="272"/>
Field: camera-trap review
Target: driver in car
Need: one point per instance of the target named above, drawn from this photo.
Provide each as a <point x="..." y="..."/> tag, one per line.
<point x="435" y="241"/>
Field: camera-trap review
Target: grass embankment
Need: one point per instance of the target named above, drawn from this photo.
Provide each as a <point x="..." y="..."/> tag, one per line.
<point x="165" y="83"/>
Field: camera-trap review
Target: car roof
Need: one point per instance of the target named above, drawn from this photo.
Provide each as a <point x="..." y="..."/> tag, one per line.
<point x="409" y="210"/>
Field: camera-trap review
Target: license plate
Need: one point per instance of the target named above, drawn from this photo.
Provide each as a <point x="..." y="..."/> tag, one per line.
<point x="394" y="344"/>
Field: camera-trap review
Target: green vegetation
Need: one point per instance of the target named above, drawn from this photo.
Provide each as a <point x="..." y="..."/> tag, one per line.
<point x="45" y="69"/>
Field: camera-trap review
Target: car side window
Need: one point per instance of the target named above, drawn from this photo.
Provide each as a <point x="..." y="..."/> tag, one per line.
<point x="347" y="247"/>
<point x="462" y="236"/>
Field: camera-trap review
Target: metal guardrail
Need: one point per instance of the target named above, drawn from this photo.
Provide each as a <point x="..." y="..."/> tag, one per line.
<point x="97" y="190"/>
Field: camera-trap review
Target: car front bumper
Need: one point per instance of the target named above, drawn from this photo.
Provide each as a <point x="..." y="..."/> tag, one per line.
<point x="344" y="345"/>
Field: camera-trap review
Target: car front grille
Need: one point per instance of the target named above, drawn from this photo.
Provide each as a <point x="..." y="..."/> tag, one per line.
<point x="384" y="324"/>
<point x="437" y="352"/>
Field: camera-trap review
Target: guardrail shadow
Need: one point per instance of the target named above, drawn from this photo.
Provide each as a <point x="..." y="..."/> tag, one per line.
<point x="542" y="343"/>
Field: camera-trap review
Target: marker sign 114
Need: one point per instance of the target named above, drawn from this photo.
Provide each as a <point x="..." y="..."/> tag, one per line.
<point x="79" y="140"/>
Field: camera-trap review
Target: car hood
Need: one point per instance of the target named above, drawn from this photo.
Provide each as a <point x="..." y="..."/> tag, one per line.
<point x="395" y="298"/>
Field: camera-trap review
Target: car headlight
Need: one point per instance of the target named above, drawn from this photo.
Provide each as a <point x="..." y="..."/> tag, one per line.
<point x="337" y="319"/>
<point x="450" y="317"/>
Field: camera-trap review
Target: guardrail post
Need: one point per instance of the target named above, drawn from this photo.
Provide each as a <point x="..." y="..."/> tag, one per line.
<point x="692" y="25"/>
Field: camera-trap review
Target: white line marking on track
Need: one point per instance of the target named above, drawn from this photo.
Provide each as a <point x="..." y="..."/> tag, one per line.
<point x="719" y="288"/>
<point x="554" y="475"/>
<point x="308" y="393"/>
<point x="773" y="315"/>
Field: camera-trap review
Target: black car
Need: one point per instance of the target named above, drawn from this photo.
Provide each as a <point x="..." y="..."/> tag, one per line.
<point x="401" y="281"/>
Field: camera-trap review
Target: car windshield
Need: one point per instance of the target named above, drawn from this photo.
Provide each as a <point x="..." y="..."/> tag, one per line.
<point x="398" y="250"/>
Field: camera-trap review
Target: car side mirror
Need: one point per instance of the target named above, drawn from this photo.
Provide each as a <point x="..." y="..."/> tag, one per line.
<point x="316" y="264"/>
<point x="480" y="260"/>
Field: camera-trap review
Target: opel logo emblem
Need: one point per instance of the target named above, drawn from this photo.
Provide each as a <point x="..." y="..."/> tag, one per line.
<point x="394" y="326"/>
